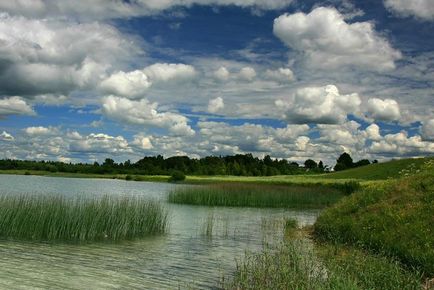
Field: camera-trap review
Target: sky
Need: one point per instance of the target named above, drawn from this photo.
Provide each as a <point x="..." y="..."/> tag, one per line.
<point x="81" y="81"/>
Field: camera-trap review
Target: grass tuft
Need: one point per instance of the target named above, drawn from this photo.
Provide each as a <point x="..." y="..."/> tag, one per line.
<point x="255" y="195"/>
<point x="53" y="218"/>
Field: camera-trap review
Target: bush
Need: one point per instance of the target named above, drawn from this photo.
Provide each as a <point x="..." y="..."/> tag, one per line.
<point x="128" y="177"/>
<point x="177" y="176"/>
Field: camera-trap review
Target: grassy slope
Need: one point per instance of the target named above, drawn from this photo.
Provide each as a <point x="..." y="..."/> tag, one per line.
<point x="395" y="218"/>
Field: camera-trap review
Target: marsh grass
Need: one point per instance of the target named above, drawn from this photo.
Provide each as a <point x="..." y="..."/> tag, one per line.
<point x="298" y="265"/>
<point x="55" y="218"/>
<point x="255" y="195"/>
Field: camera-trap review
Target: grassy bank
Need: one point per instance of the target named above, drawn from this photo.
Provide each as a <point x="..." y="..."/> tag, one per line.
<point x="250" y="195"/>
<point x="51" y="218"/>
<point x="297" y="264"/>
<point x="395" y="219"/>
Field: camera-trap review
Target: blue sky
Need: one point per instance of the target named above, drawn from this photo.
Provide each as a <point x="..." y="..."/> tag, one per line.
<point x="292" y="79"/>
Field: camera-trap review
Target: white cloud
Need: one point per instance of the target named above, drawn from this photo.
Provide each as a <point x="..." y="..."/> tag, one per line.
<point x="373" y="132"/>
<point x="384" y="110"/>
<point x="221" y="74"/>
<point x="164" y="72"/>
<point x="131" y="84"/>
<point x="327" y="41"/>
<point x="100" y="143"/>
<point x="38" y="131"/>
<point x="215" y="105"/>
<point x="103" y="9"/>
<point x="14" y="106"/>
<point x="428" y="130"/>
<point x="324" y="105"/>
<point x="247" y="74"/>
<point x="56" y="57"/>
<point x="422" y="9"/>
<point x="400" y="144"/>
<point x="143" y="142"/>
<point x="144" y="113"/>
<point x="5" y="136"/>
<point x="281" y="75"/>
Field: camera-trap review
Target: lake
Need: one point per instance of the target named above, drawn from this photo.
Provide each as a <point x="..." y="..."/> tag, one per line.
<point x="183" y="258"/>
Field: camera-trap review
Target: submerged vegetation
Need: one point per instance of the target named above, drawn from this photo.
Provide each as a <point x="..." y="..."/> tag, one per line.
<point x="251" y="195"/>
<point x="54" y="218"/>
<point x="395" y="219"/>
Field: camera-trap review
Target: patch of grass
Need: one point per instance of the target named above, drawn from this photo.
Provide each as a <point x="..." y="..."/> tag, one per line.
<point x="53" y="218"/>
<point x="253" y="195"/>
<point x="298" y="265"/>
<point x="396" y="219"/>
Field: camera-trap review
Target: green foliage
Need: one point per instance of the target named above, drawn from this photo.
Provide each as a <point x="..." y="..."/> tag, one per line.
<point x="128" y="177"/>
<point x="348" y="187"/>
<point x="177" y="176"/>
<point x="54" y="218"/>
<point x="254" y="195"/>
<point x="295" y="265"/>
<point x="395" y="218"/>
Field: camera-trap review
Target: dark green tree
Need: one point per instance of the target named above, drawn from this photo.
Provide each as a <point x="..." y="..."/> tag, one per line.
<point x="310" y="164"/>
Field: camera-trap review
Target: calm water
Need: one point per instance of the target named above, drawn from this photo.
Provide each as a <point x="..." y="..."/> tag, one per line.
<point x="183" y="258"/>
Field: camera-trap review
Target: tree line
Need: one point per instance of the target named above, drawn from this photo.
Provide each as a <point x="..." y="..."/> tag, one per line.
<point x="240" y="165"/>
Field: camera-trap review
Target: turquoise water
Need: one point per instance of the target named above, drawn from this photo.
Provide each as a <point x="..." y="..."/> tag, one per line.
<point x="183" y="258"/>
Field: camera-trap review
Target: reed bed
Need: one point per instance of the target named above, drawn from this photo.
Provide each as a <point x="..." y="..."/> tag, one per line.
<point x="255" y="195"/>
<point x="55" y="218"/>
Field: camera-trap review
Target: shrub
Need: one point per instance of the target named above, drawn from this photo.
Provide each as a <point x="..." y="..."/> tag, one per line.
<point x="128" y="177"/>
<point x="177" y="176"/>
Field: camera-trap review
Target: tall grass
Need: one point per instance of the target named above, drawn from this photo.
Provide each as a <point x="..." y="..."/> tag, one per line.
<point x="395" y="219"/>
<point x="54" y="218"/>
<point x="255" y="195"/>
<point x="296" y="265"/>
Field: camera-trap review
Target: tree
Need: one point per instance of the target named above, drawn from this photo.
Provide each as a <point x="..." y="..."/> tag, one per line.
<point x="344" y="162"/>
<point x="310" y="164"/>
<point x="108" y="162"/>
<point x="321" y="166"/>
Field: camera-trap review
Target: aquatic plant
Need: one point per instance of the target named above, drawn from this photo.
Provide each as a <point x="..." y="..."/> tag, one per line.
<point x="255" y="195"/>
<point x="56" y="218"/>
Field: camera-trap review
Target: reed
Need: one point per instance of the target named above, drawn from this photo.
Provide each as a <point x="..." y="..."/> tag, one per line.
<point x="255" y="195"/>
<point x="54" y="218"/>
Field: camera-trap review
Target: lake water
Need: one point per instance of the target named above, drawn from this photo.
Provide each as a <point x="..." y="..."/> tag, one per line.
<point x="183" y="258"/>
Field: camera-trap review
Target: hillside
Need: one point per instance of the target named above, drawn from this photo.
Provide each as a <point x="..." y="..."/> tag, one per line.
<point x="379" y="171"/>
<point x="395" y="217"/>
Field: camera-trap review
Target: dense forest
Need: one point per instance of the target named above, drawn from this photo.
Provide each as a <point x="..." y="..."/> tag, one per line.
<point x="240" y="164"/>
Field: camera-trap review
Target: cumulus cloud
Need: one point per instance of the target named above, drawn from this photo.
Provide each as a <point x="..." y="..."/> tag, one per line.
<point x="131" y="84"/>
<point x="38" y="131"/>
<point x="14" y="106"/>
<point x="215" y="105"/>
<point x="221" y="74"/>
<point x="56" y="57"/>
<point x="373" y="132"/>
<point x="280" y="75"/>
<point x="247" y="74"/>
<point x="144" y="113"/>
<point x="104" y="9"/>
<point x="323" y="105"/>
<point x="100" y="143"/>
<point x="383" y="110"/>
<point x="427" y="130"/>
<point x="164" y="72"/>
<point x="5" y="136"/>
<point x="403" y="145"/>
<point x="422" y="9"/>
<point x="143" y="142"/>
<point x="327" y="41"/>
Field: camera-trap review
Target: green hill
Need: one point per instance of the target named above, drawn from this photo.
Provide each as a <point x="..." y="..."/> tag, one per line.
<point x="395" y="217"/>
<point x="379" y="171"/>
